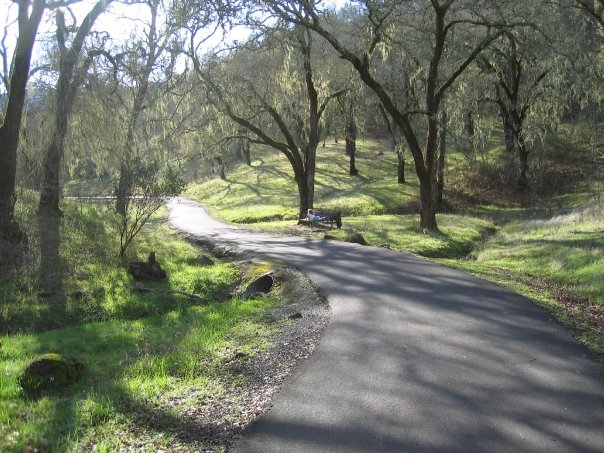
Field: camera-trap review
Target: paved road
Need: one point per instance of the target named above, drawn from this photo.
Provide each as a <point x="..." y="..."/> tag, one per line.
<point x="418" y="357"/>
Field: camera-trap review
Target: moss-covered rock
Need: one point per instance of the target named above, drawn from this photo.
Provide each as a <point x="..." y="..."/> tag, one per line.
<point x="49" y="372"/>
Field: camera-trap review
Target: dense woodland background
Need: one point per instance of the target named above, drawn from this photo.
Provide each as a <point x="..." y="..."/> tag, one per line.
<point x="468" y="131"/>
<point x="105" y="104"/>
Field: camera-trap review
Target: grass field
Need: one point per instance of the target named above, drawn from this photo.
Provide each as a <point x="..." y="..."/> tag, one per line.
<point x="147" y="355"/>
<point x="267" y="191"/>
<point x="456" y="238"/>
<point x="86" y="279"/>
<point x="137" y="372"/>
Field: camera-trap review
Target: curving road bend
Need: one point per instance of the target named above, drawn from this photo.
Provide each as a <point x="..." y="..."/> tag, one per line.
<point x="418" y="357"/>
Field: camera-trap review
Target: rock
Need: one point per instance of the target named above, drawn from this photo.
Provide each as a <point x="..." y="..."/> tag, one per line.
<point x="296" y="315"/>
<point x="151" y="270"/>
<point x="224" y="251"/>
<point x="356" y="238"/>
<point x="50" y="371"/>
<point x="203" y="260"/>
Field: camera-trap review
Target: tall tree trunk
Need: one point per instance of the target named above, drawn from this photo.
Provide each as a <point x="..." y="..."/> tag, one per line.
<point x="400" y="167"/>
<point x="351" y="141"/>
<point x="67" y="87"/>
<point x="310" y="168"/>
<point x="301" y="182"/>
<point x="315" y="112"/>
<point x="442" y="148"/>
<point x="123" y="187"/>
<point x="221" y="167"/>
<point x="50" y="191"/>
<point x="352" y="166"/>
<point x="508" y="133"/>
<point x="245" y="150"/>
<point x="523" y="183"/>
<point x="427" y="214"/>
<point x="469" y="123"/>
<point x="428" y="179"/>
<point x="9" y="228"/>
<point x="153" y="50"/>
<point x="9" y="131"/>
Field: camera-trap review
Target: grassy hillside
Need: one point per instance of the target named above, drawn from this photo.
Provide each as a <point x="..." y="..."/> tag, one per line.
<point x="149" y="356"/>
<point x="267" y="190"/>
<point x="85" y="279"/>
<point x="548" y="240"/>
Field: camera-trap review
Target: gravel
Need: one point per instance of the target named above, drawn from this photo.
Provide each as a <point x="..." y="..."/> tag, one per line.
<point x="212" y="423"/>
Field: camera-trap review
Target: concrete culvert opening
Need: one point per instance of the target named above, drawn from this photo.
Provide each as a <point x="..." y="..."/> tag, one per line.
<point x="261" y="285"/>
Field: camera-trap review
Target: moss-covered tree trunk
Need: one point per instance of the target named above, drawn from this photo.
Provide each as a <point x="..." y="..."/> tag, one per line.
<point x="9" y="131"/>
<point x="442" y="149"/>
<point x="67" y="87"/>
<point x="523" y="182"/>
<point x="400" y="167"/>
<point x="351" y="141"/>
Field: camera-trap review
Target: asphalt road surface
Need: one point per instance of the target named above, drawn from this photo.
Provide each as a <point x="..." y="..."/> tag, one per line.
<point x="418" y="357"/>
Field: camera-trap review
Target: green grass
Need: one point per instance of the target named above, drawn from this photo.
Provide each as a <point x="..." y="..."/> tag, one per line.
<point x="456" y="238"/>
<point x="149" y="357"/>
<point x="556" y="261"/>
<point x="137" y="372"/>
<point x="567" y="249"/>
<point x="504" y="236"/>
<point x="264" y="197"/>
<point x="85" y="280"/>
<point x="267" y="190"/>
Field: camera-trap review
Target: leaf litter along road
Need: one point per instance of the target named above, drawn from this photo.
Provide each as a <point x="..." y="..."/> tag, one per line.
<point x="418" y="357"/>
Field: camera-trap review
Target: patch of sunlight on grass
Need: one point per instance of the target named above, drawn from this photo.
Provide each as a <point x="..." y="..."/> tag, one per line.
<point x="267" y="191"/>
<point x="457" y="237"/>
<point x="132" y="368"/>
<point x="95" y="285"/>
<point x="567" y="249"/>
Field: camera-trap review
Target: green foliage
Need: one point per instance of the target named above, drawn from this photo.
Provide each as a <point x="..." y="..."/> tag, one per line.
<point x="149" y="187"/>
<point x="94" y="285"/>
<point x="143" y="353"/>
<point x="95" y="187"/>
<point x="266" y="191"/>
<point x="136" y="372"/>
<point x="566" y="249"/>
